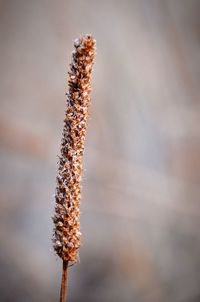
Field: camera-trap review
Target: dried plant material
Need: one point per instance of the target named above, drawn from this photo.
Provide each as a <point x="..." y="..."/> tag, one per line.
<point x="68" y="192"/>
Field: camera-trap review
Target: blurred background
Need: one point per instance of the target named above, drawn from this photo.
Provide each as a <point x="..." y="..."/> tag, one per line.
<point x="140" y="197"/>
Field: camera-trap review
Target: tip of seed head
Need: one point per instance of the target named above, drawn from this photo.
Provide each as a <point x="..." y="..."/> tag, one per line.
<point x="86" y="41"/>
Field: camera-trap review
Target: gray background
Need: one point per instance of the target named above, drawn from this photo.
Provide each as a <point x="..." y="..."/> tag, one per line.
<point x="140" y="197"/>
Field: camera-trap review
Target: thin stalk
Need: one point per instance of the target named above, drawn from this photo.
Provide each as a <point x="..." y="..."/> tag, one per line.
<point x="63" y="289"/>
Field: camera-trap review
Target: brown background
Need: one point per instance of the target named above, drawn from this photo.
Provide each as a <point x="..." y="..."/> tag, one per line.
<point x="140" y="201"/>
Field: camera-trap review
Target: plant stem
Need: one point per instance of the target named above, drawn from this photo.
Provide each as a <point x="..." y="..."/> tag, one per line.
<point x="63" y="289"/>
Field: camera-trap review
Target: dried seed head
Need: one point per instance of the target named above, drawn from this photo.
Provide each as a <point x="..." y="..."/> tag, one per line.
<point x="66" y="236"/>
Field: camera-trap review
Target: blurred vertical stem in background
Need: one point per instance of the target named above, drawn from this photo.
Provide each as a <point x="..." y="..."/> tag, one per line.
<point x="66" y="236"/>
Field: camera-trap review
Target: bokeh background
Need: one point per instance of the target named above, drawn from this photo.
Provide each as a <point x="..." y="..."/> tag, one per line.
<point x="140" y="197"/>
